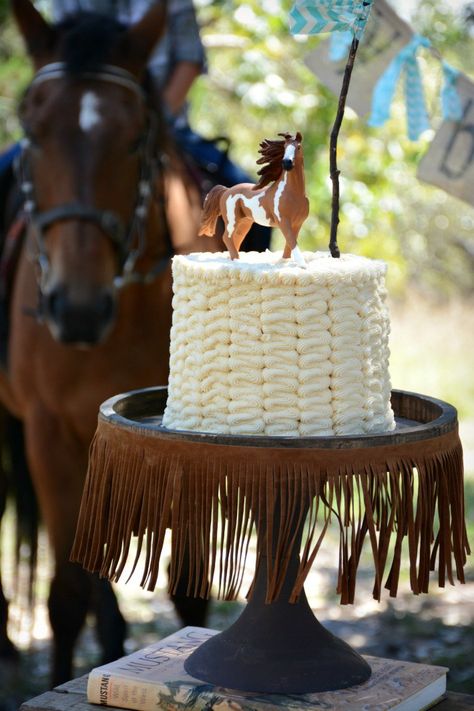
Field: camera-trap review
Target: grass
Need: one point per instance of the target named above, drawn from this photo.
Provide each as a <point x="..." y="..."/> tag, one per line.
<point x="431" y="351"/>
<point x="432" y="347"/>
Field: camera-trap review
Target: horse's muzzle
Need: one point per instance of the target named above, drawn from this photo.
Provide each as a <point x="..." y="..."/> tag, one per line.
<point x="287" y="164"/>
<point x="82" y="323"/>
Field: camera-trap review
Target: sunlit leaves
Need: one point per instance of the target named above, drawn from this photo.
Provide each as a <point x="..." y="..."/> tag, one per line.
<point x="264" y="87"/>
<point x="258" y="85"/>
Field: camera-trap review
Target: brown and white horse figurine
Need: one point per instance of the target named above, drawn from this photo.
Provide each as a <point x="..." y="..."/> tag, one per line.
<point x="277" y="200"/>
<point x="97" y="254"/>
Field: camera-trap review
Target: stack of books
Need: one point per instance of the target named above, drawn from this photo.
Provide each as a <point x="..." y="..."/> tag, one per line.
<point x="154" y="679"/>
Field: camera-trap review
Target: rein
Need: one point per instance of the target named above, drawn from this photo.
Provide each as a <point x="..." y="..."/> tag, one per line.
<point x="128" y="240"/>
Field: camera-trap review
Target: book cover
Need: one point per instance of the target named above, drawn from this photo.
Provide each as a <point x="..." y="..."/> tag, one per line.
<point x="154" y="679"/>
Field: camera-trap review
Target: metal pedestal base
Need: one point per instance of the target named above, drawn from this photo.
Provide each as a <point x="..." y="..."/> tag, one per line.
<point x="277" y="648"/>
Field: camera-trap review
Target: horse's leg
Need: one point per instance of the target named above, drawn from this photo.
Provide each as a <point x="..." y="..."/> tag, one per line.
<point x="73" y="594"/>
<point x="241" y="230"/>
<point x="191" y="610"/>
<point x="68" y="604"/>
<point x="228" y="240"/>
<point x="7" y="649"/>
<point x="58" y="461"/>
<point x="26" y="504"/>
<point x="291" y="236"/>
<point x="290" y="240"/>
<point x="111" y="626"/>
<point x="229" y="243"/>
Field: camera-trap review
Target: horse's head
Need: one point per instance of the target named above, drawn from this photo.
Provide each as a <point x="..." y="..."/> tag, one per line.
<point x="292" y="152"/>
<point x="87" y="164"/>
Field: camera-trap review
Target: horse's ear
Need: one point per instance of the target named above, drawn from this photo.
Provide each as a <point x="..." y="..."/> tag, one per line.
<point x="39" y="36"/>
<point x="140" y="39"/>
<point x="298" y="137"/>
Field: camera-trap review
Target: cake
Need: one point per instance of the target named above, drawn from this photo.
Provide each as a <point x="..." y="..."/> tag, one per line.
<point x="261" y="346"/>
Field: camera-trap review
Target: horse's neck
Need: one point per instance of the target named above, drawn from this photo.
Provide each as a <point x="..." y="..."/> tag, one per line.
<point x="295" y="179"/>
<point x="290" y="182"/>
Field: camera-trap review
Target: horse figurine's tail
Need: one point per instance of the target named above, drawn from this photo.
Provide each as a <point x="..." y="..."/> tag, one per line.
<point x="211" y="211"/>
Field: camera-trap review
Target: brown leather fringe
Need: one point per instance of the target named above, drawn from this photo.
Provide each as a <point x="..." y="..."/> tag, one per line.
<point x="214" y="497"/>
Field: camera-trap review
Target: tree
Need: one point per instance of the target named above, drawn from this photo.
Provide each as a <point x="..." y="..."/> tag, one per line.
<point x="258" y="85"/>
<point x="257" y="77"/>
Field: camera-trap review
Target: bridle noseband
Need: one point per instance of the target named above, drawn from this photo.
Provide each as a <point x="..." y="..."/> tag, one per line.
<point x="128" y="240"/>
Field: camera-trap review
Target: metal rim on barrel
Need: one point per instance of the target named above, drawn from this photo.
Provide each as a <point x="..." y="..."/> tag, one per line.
<point x="418" y="417"/>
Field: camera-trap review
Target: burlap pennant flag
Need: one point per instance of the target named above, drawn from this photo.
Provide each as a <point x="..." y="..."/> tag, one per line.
<point x="385" y="36"/>
<point x="449" y="161"/>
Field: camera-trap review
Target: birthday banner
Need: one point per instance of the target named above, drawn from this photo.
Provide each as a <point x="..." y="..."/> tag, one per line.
<point x="385" y="36"/>
<point x="388" y="57"/>
<point x="449" y="162"/>
<point x="311" y="17"/>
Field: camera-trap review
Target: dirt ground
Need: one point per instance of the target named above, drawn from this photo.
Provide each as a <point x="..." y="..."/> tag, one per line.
<point x="436" y="629"/>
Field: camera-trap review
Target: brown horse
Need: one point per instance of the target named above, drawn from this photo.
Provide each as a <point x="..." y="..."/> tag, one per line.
<point x="91" y="305"/>
<point x="278" y="199"/>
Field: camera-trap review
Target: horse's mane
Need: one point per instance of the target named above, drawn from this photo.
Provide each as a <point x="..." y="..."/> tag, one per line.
<point x="86" y="40"/>
<point x="271" y="156"/>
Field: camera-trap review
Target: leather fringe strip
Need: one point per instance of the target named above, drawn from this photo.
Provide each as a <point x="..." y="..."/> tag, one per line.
<point x="214" y="497"/>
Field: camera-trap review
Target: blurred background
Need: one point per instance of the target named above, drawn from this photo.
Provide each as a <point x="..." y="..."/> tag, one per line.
<point x="257" y="85"/>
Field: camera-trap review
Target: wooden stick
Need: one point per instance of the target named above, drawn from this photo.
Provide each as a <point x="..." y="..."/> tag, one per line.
<point x="334" y="171"/>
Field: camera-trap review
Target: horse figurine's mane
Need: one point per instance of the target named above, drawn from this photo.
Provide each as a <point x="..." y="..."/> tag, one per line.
<point x="271" y="156"/>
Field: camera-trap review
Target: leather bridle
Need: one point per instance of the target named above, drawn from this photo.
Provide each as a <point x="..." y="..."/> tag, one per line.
<point x="128" y="239"/>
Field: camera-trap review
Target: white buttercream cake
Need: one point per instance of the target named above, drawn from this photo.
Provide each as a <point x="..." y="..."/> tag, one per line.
<point x="262" y="346"/>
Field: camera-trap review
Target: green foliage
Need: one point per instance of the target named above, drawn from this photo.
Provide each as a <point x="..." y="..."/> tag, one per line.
<point x="258" y="85"/>
<point x="4" y="10"/>
<point x="14" y="74"/>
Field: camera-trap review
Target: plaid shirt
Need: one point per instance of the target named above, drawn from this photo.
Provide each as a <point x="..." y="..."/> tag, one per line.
<point x="181" y="41"/>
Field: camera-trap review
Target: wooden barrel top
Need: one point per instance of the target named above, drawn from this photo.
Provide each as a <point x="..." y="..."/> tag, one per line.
<point x="418" y="417"/>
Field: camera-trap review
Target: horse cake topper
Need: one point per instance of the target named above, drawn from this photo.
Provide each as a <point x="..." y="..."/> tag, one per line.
<point x="277" y="200"/>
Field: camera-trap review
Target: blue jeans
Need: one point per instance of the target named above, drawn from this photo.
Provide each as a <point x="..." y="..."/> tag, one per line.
<point x="7" y="158"/>
<point x="208" y="156"/>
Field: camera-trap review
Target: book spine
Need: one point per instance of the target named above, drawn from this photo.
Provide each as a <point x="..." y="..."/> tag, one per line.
<point x="113" y="690"/>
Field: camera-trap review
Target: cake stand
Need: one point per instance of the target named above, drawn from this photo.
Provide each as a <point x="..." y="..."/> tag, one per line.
<point x="214" y="491"/>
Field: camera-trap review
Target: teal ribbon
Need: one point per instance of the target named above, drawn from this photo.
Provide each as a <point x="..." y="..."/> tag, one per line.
<point x="311" y="17"/>
<point x="339" y="45"/>
<point x="451" y="104"/>
<point x="406" y="61"/>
